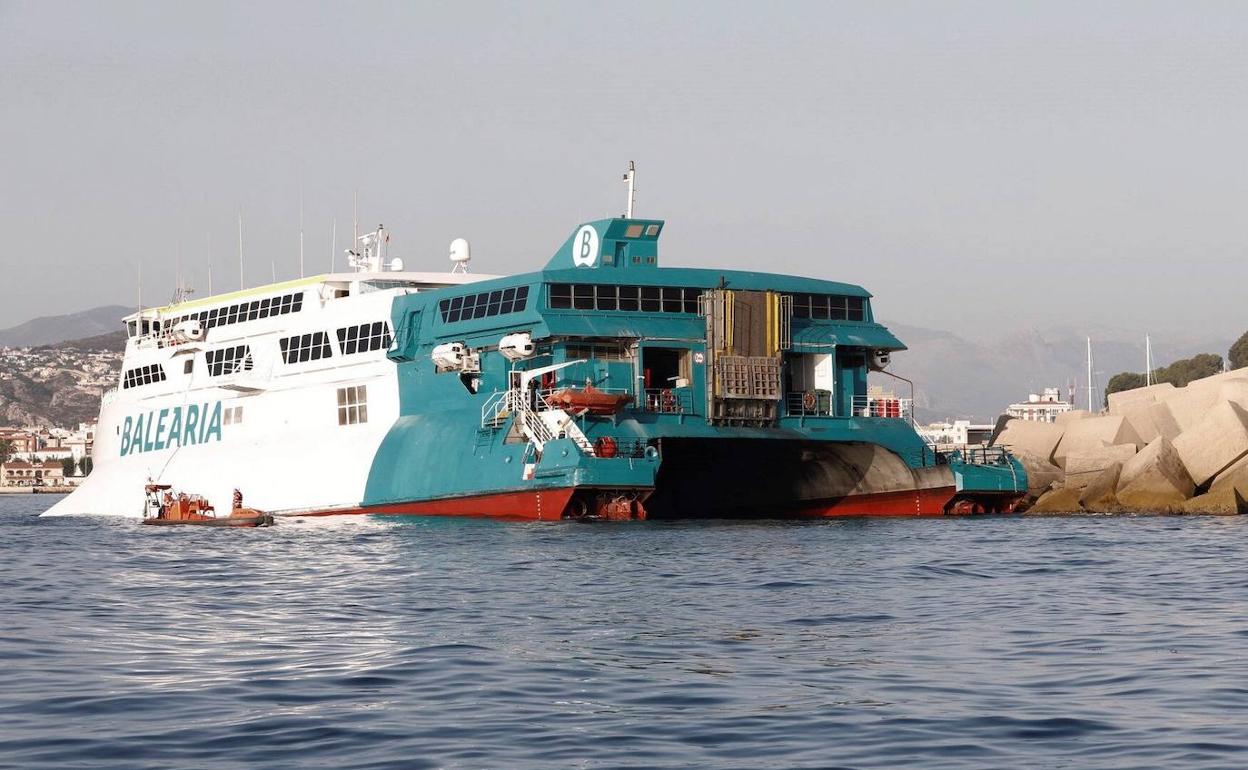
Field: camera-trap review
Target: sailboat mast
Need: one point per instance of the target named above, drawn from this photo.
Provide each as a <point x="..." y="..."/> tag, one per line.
<point x="1148" y="360"/>
<point x="1090" y="407"/>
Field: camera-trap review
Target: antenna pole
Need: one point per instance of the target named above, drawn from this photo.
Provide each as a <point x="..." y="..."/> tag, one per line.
<point x="209" y="264"/>
<point x="240" y="249"/>
<point x="333" y="246"/>
<point x="1090" y="408"/>
<point x="300" y="234"/>
<point x="630" y="176"/>
<point x="355" y="218"/>
<point x="1148" y="360"/>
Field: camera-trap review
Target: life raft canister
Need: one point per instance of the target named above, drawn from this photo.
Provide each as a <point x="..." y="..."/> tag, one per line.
<point x="605" y="446"/>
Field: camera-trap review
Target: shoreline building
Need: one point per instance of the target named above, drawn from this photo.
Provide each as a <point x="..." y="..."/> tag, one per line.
<point x="1040" y="407"/>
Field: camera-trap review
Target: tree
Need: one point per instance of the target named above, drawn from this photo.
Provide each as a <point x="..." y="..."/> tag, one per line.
<point x="67" y="466"/>
<point x="6" y="450"/>
<point x="1238" y="357"/>
<point x="86" y="466"/>
<point x="1123" y="381"/>
<point x="1185" y="370"/>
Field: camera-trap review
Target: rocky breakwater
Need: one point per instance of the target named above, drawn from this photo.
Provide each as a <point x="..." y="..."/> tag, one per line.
<point x="1156" y="449"/>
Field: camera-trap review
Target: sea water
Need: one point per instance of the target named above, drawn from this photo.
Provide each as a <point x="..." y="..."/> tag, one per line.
<point x="370" y="642"/>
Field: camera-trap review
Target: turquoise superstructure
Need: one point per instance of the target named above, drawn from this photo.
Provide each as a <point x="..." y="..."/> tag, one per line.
<point x="608" y="386"/>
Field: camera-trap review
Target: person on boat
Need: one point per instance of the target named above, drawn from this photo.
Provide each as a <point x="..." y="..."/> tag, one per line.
<point x="238" y="499"/>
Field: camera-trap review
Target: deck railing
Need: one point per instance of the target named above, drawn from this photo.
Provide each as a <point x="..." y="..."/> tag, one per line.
<point x="668" y="400"/>
<point x="883" y="406"/>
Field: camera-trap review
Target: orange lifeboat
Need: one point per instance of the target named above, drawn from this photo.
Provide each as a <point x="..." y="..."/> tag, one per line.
<point x="588" y="399"/>
<point x="164" y="507"/>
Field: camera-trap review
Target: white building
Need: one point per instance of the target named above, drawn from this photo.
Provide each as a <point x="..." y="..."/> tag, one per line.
<point x="1040" y="407"/>
<point x="956" y="433"/>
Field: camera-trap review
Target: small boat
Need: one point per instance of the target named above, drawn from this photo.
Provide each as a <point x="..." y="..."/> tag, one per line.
<point x="588" y="399"/>
<point x="164" y="507"/>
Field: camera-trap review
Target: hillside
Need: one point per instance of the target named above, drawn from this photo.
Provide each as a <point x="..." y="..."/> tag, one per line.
<point x="964" y="379"/>
<point x="50" y="330"/>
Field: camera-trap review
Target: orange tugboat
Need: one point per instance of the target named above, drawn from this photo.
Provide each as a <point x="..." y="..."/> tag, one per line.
<point x="164" y="507"/>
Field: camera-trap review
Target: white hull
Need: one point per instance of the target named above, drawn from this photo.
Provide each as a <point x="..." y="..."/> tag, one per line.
<point x="288" y="453"/>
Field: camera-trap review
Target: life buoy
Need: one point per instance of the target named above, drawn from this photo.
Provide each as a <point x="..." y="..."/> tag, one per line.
<point x="809" y="400"/>
<point x="605" y="446"/>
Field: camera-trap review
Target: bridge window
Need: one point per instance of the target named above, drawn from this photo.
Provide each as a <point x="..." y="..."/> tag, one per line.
<point x="143" y="375"/>
<point x="231" y="360"/>
<point x="364" y="338"/>
<point x="485" y="304"/>
<point x="612" y="298"/>
<point x="305" y="347"/>
<point x="247" y="311"/>
<point x="829" y="307"/>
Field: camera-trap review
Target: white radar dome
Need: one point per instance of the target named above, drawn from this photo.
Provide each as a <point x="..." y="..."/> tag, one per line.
<point x="461" y="252"/>
<point x="396" y="265"/>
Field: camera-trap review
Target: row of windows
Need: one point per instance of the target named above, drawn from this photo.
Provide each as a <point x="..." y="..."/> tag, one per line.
<point x="487" y="303"/>
<point x="224" y="316"/>
<point x="305" y="347"/>
<point x="143" y="375"/>
<point x="647" y="299"/>
<point x="364" y="338"/>
<point x="229" y="360"/>
<point x="829" y="307"/>
<point x="601" y="351"/>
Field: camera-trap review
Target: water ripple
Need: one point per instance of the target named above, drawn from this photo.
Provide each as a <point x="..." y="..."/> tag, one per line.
<point x="378" y="643"/>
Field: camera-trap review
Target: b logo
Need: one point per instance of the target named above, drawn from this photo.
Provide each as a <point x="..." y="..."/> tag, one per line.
<point x="585" y="247"/>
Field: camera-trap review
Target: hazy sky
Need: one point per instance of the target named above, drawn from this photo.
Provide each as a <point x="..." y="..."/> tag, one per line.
<point x="975" y="165"/>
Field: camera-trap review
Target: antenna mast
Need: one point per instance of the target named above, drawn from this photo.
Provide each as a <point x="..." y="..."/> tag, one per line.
<point x="240" y="249"/>
<point x="300" y="234"/>
<point x="209" y="264"/>
<point x="1090" y="407"/>
<point x="630" y="176"/>
<point x="333" y="246"/>
<point x="1148" y="360"/>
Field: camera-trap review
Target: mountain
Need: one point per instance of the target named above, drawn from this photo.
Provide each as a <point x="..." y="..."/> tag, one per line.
<point x="958" y="378"/>
<point x="50" y="330"/>
<point x="114" y="342"/>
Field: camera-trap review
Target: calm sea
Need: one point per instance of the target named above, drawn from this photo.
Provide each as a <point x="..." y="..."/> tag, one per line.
<point x="409" y="643"/>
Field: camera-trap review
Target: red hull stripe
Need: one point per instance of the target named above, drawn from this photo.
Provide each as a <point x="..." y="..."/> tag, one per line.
<point x="909" y="502"/>
<point x="548" y="505"/>
<point x="536" y="505"/>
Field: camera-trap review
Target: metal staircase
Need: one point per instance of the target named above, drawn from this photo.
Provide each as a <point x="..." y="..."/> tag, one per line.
<point x="538" y="426"/>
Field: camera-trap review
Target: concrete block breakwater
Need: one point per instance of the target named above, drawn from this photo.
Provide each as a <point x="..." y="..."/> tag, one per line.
<point x="1155" y="449"/>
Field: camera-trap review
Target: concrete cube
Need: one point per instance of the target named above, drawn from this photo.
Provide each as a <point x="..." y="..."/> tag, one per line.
<point x="1214" y="443"/>
<point x="1072" y="415"/>
<point x="1034" y="438"/>
<point x="1060" y="500"/>
<point x="1188" y="406"/>
<point x="1094" y="433"/>
<point x="1227" y="501"/>
<point x="1140" y="415"/>
<point x="1163" y="421"/>
<point x="1041" y="474"/>
<point x="1234" y="476"/>
<point x="1084" y="466"/>
<point x="1219" y="378"/>
<point x="1136" y="396"/>
<point x="1155" y="479"/>
<point x="1099" y="495"/>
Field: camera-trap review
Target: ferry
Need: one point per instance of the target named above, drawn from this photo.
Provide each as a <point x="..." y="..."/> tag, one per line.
<point x="603" y="386"/>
